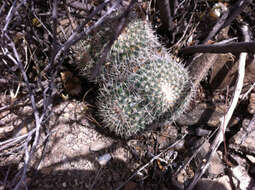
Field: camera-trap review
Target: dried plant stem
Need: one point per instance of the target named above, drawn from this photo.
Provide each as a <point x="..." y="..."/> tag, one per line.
<point x="248" y="92"/>
<point x="235" y="47"/>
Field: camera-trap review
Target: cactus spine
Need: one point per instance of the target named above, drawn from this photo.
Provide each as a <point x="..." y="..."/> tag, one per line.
<point x="140" y="83"/>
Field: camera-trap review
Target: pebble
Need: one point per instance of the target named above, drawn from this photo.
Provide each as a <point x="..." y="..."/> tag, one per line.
<point x="244" y="140"/>
<point x="241" y="174"/>
<point x="103" y="160"/>
<point x="96" y="146"/>
<point x="251" y="158"/>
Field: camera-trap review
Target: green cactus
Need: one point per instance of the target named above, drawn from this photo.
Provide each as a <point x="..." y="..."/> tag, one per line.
<point x="160" y="88"/>
<point x="140" y="82"/>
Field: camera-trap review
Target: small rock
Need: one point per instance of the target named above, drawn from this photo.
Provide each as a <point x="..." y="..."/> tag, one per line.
<point x="167" y="136"/>
<point x="244" y="140"/>
<point x="184" y="175"/>
<point x="243" y="179"/>
<point x="249" y="72"/>
<point x="252" y="171"/>
<point x="84" y="149"/>
<point x="180" y="146"/>
<point x="223" y="71"/>
<point x="181" y="177"/>
<point x="251" y="158"/>
<point x="103" y="160"/>
<point x="251" y="106"/>
<point x="202" y="113"/>
<point x="4" y="130"/>
<point x="201" y="132"/>
<point x="96" y="146"/>
<point x="216" y="167"/>
<point x="205" y="113"/>
<point x="64" y="184"/>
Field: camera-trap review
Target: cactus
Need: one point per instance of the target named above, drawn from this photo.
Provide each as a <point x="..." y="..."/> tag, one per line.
<point x="140" y="82"/>
<point x="160" y="88"/>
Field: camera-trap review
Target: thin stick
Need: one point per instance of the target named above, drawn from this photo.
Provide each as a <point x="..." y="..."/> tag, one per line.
<point x="38" y="120"/>
<point x="236" y="47"/>
<point x="78" y="35"/>
<point x="43" y="25"/>
<point x="96" y="178"/>
<point x="216" y="27"/>
<point x="236" y="10"/>
<point x="165" y="14"/>
<point x="248" y="92"/>
<point x="8" y="18"/>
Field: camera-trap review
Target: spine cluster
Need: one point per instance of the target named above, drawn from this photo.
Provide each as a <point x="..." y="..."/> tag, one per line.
<point x="140" y="81"/>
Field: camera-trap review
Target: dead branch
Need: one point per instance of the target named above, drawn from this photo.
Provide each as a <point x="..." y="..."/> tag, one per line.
<point x="217" y="27"/>
<point x="8" y="18"/>
<point x="16" y="60"/>
<point x="165" y="13"/>
<point x="54" y="27"/>
<point x="236" y="10"/>
<point x="58" y="58"/>
<point x="79" y="5"/>
<point x="235" y="47"/>
<point x="77" y="34"/>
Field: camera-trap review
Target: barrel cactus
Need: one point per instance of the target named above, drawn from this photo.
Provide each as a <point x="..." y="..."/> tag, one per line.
<point x="159" y="89"/>
<point x="140" y="82"/>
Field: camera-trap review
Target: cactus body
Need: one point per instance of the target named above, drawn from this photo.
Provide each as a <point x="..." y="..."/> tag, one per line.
<point x="157" y="89"/>
<point x="140" y="82"/>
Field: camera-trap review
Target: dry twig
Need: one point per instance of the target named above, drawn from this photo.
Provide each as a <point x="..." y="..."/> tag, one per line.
<point x="166" y="13"/>
<point x="235" y="47"/>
